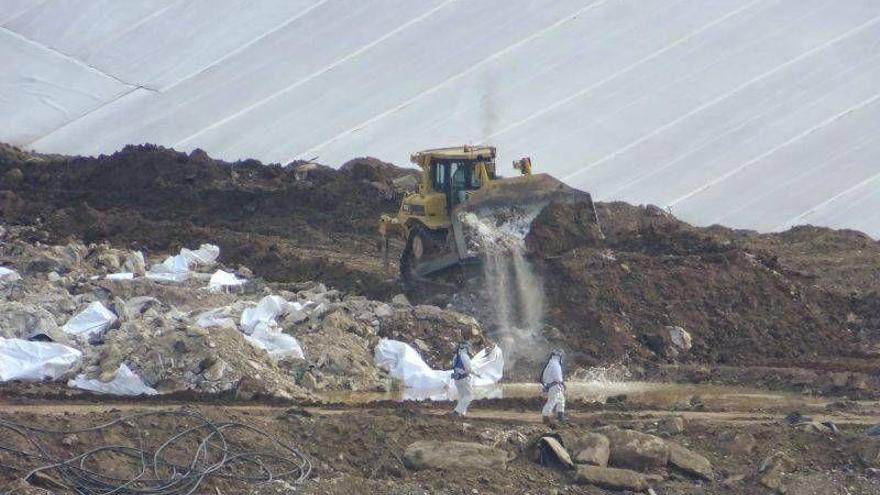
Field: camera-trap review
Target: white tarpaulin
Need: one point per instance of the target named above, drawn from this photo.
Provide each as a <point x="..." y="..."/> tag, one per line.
<point x="221" y="279"/>
<point x="205" y="255"/>
<point x="278" y="344"/>
<point x="405" y="364"/>
<point x="219" y="317"/>
<point x="177" y="268"/>
<point x="92" y="320"/>
<point x="126" y="382"/>
<point x="35" y="361"/>
<point x="8" y="275"/>
<point x="264" y="312"/>
<point x="173" y="269"/>
<point x="262" y="331"/>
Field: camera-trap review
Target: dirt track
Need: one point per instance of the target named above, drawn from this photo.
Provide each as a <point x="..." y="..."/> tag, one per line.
<point x="352" y="447"/>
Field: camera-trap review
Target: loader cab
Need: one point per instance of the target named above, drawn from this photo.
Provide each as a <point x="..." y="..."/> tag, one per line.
<point x="454" y="178"/>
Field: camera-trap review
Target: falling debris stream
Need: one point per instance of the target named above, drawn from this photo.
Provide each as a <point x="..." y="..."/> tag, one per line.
<point x="513" y="290"/>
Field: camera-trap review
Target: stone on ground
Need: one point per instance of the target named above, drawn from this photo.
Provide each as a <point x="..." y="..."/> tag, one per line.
<point x="689" y="461"/>
<point x="453" y="456"/>
<point x="593" y="449"/>
<point x="615" y="479"/>
<point x="635" y="450"/>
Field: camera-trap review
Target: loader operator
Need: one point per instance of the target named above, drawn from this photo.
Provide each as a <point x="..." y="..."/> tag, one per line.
<point x="553" y="382"/>
<point x="461" y="374"/>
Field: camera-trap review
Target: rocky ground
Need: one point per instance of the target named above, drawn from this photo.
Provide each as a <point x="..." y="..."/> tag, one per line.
<point x="639" y="291"/>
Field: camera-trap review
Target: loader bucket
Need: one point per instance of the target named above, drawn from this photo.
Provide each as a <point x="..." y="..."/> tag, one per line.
<point x="527" y="191"/>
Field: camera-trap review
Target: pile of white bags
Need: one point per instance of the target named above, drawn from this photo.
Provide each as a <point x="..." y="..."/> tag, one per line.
<point x="35" y="361"/>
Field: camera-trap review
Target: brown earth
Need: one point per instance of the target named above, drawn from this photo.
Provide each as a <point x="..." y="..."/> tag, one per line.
<point x="360" y="450"/>
<point x="805" y="298"/>
<point x="296" y="223"/>
<point x="788" y="299"/>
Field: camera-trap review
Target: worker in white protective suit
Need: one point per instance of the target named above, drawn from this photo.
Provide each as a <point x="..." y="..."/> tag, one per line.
<point x="553" y="381"/>
<point x="462" y="375"/>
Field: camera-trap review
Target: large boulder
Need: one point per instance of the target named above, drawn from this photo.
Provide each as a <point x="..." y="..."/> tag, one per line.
<point x="593" y="449"/>
<point x="689" y="461"/>
<point x="615" y="479"/>
<point x="453" y="456"/>
<point x="636" y="450"/>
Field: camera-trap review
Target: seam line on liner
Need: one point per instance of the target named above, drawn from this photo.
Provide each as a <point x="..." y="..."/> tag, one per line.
<point x="767" y="153"/>
<point x="613" y="76"/>
<point x="494" y="56"/>
<point x="718" y="99"/>
<point x="245" y="46"/>
<point x="315" y="74"/>
<point x="790" y="222"/>
<point x="618" y="190"/>
<point x="74" y="120"/>
<point x="55" y="51"/>
<point x="782" y="185"/>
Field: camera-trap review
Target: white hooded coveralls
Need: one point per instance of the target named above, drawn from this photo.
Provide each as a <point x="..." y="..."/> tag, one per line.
<point x="552" y="380"/>
<point x="463" y="385"/>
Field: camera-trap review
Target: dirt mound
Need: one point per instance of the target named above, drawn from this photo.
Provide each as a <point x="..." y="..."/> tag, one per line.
<point x="295" y="223"/>
<point x="730" y="290"/>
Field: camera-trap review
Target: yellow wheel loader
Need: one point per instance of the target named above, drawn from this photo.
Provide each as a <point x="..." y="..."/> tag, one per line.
<point x="455" y="180"/>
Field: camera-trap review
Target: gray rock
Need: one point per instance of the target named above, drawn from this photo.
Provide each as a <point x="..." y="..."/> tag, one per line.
<point x="636" y="450"/>
<point x="453" y="456"/>
<point x="400" y="300"/>
<point x="593" y="449"/>
<point x="615" y="479"/>
<point x="558" y="451"/>
<point x="689" y="461"/>
<point x="673" y="425"/>
<point x="383" y="311"/>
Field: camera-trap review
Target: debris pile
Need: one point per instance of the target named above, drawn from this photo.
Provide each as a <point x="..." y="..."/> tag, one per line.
<point x="175" y="327"/>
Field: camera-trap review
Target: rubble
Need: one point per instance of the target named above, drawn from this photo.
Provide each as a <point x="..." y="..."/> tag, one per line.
<point x="615" y="479"/>
<point x="177" y="334"/>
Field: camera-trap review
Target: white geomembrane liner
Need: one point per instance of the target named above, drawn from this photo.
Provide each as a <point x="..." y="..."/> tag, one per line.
<point x="91" y="321"/>
<point x="35" y="361"/>
<point x="403" y="363"/>
<point x="125" y="382"/>
<point x="678" y="103"/>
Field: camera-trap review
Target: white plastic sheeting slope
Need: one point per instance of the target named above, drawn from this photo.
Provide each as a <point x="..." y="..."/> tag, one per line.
<point x="755" y="113"/>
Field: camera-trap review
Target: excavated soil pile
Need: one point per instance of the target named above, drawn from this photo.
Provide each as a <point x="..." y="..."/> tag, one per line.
<point x="295" y="223"/>
<point x="740" y="297"/>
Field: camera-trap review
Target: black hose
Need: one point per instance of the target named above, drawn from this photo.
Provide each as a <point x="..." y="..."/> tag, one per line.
<point x="176" y="464"/>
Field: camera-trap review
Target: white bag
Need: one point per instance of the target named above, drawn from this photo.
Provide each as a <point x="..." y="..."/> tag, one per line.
<point x="126" y="382"/>
<point x="90" y="321"/>
<point x="8" y="275"/>
<point x="35" y="361"/>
